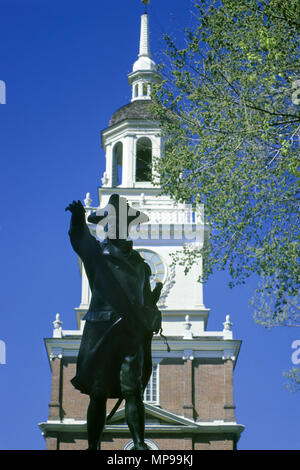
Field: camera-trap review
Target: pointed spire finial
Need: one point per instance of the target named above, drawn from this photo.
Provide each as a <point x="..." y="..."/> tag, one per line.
<point x="146" y="2"/>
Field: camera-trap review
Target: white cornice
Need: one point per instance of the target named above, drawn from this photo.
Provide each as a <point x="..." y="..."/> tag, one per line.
<point x="150" y="74"/>
<point x="132" y="125"/>
<point x="195" y="428"/>
<point x="202" y="348"/>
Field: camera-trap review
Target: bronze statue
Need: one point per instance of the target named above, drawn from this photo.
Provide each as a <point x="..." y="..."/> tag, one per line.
<point x="114" y="359"/>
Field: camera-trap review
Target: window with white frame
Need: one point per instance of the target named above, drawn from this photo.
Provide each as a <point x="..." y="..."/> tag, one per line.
<point x="151" y="394"/>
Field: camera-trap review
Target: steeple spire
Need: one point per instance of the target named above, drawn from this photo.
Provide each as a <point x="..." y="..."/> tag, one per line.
<point x="143" y="70"/>
<point x="144" y="36"/>
<point x="144" y="61"/>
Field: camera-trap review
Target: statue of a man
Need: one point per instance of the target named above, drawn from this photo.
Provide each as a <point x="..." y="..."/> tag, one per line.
<point x="114" y="359"/>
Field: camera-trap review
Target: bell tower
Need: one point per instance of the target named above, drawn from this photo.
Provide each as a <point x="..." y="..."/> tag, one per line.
<point x="189" y="400"/>
<point x="132" y="141"/>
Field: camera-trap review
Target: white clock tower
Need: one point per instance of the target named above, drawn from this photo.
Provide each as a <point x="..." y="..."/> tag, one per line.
<point x="189" y="399"/>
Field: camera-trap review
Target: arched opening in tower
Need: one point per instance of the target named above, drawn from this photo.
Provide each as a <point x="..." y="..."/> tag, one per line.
<point x="145" y="89"/>
<point x="143" y="159"/>
<point x="117" y="162"/>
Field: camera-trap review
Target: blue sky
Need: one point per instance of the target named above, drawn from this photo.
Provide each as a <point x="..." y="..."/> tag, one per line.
<point x="65" y="65"/>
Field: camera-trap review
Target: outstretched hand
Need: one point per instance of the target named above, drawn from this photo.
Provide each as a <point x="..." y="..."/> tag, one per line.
<point x="76" y="208"/>
<point x="156" y="292"/>
<point x="159" y="286"/>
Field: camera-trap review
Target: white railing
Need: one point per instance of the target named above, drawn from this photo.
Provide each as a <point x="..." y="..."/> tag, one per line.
<point x="175" y="215"/>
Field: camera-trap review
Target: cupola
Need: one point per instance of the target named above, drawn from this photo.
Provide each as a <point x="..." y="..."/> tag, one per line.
<point x="144" y="68"/>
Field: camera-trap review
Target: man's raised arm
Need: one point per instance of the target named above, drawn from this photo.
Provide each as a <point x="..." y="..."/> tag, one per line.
<point x="81" y="239"/>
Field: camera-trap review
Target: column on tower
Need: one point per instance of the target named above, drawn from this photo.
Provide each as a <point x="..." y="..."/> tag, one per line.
<point x="108" y="153"/>
<point x="129" y="145"/>
<point x="157" y="152"/>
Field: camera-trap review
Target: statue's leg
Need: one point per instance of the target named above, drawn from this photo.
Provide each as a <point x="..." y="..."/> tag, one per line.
<point x="135" y="416"/>
<point x="96" y="415"/>
<point x="132" y="390"/>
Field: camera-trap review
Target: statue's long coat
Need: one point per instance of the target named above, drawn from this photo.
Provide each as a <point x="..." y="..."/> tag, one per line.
<point x="115" y="325"/>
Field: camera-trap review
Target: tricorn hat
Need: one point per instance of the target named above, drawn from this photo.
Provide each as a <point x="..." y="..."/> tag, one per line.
<point x="118" y="206"/>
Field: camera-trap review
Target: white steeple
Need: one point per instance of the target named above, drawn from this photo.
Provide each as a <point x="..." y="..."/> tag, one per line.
<point x="143" y="70"/>
<point x="144" y="61"/>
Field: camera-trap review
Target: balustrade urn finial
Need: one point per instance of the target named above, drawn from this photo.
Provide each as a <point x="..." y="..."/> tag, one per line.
<point x="57" y="332"/>
<point x="227" y="331"/>
<point x="104" y="179"/>
<point x="88" y="201"/>
<point x="227" y="324"/>
<point x="188" y="334"/>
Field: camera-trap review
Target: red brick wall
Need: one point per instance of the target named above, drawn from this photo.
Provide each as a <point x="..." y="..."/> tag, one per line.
<point x="214" y="442"/>
<point x="74" y="403"/>
<point x="171" y="380"/>
<point x="212" y="388"/>
<point x="209" y="390"/>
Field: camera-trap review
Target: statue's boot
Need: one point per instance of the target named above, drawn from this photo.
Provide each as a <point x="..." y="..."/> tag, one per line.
<point x="141" y="446"/>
